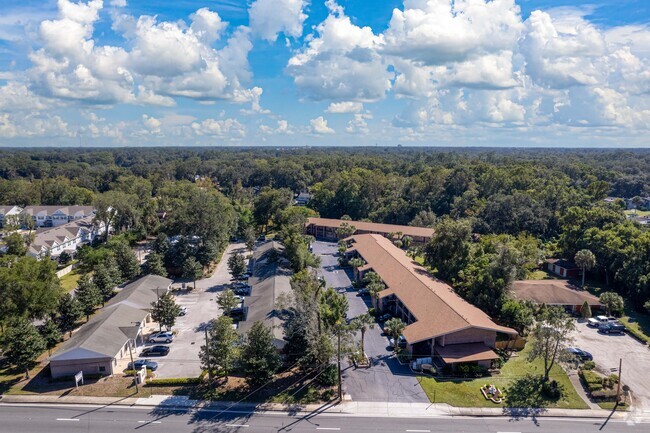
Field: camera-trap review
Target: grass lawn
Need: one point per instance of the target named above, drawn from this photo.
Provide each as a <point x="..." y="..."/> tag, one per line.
<point x="609" y="405"/>
<point x="541" y="275"/>
<point x="69" y="281"/>
<point x="638" y="212"/>
<point x="466" y="393"/>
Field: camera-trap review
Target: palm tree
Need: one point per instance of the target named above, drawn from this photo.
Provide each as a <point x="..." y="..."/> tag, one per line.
<point x="362" y="323"/>
<point x="394" y="327"/>
<point x="585" y="259"/>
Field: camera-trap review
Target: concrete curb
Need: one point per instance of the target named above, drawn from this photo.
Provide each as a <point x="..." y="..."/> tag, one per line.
<point x="370" y="409"/>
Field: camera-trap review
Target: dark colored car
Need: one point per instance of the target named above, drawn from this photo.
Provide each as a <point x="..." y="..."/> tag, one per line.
<point x="611" y="328"/>
<point x="155" y="351"/>
<point x="148" y="363"/>
<point x="580" y="354"/>
<point x="242" y="291"/>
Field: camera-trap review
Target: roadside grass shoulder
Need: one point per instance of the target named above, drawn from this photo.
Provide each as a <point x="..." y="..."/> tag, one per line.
<point x="466" y="392"/>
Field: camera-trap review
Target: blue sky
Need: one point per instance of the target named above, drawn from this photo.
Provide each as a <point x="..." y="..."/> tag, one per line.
<point x="349" y="72"/>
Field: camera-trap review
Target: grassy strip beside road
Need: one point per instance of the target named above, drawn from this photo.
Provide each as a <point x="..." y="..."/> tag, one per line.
<point x="467" y="393"/>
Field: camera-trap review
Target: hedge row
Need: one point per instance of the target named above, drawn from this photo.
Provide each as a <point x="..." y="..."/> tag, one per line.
<point x="174" y="382"/>
<point x="604" y="395"/>
<point x="593" y="380"/>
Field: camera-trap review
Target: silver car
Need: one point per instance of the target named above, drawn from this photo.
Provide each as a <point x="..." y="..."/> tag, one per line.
<point x="161" y="337"/>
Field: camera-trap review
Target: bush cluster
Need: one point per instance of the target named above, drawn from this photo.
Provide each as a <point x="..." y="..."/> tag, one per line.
<point x="174" y="382"/>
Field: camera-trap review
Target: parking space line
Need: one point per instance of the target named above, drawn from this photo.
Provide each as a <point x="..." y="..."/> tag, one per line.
<point x="328" y="428"/>
<point x="419" y="431"/>
<point x="67" y="419"/>
<point x="237" y="425"/>
<point x="149" y="422"/>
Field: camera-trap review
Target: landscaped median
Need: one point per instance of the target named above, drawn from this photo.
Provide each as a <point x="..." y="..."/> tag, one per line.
<point x="467" y="392"/>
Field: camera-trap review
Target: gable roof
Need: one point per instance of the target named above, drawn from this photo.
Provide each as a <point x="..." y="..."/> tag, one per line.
<point x="368" y="227"/>
<point x="563" y="263"/>
<point x="48" y="237"/>
<point x="438" y="310"/>
<point x="270" y="280"/>
<point x="104" y="335"/>
<point x="67" y="210"/>
<point x="551" y="292"/>
<point x="142" y="292"/>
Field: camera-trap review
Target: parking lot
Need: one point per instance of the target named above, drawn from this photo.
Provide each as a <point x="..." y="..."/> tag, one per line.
<point x="607" y="349"/>
<point x="183" y="358"/>
<point x="386" y="379"/>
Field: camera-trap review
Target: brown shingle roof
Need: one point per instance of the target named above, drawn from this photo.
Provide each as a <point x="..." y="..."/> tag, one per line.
<point x="373" y="227"/>
<point x="465" y="352"/>
<point x="551" y="292"/>
<point x="437" y="308"/>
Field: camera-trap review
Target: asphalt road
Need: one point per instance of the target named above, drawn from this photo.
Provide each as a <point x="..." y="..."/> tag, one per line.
<point x="608" y="349"/>
<point x="111" y="419"/>
<point x="387" y="379"/>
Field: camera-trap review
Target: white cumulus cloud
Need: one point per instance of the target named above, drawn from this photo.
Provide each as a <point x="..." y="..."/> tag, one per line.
<point x="319" y="126"/>
<point x="268" y="18"/>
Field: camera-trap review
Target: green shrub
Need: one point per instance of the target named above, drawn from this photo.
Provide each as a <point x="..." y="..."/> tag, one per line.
<point x="589" y="365"/>
<point x="552" y="390"/>
<point x="604" y="395"/>
<point x="329" y="376"/>
<point x="372" y="311"/>
<point x="174" y="382"/>
<point x="592" y="380"/>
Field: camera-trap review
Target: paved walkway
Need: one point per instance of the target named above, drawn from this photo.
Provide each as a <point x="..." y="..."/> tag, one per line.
<point x="575" y="381"/>
<point x="363" y="409"/>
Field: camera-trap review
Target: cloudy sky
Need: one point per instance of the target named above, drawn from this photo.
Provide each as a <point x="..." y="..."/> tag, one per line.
<point x="335" y="72"/>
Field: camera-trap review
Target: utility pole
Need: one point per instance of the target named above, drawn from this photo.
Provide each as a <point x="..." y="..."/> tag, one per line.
<point x="618" y="388"/>
<point x="207" y="354"/>
<point x="338" y="356"/>
<point x="135" y="373"/>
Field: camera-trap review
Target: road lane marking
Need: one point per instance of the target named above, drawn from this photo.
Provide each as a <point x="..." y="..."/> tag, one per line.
<point x="150" y="422"/>
<point x="328" y="428"/>
<point x="237" y="425"/>
<point x="419" y="431"/>
<point x="67" y="419"/>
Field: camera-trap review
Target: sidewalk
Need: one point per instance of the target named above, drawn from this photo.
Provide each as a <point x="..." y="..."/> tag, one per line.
<point x="381" y="409"/>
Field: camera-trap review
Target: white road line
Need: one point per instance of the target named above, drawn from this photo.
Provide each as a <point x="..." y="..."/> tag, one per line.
<point x="328" y="428"/>
<point x="419" y="431"/>
<point x="237" y="425"/>
<point x="150" y="422"/>
<point x="67" y="419"/>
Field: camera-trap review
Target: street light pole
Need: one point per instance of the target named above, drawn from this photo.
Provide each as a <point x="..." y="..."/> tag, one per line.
<point x="208" y="357"/>
<point x="135" y="373"/>
<point x="618" y="388"/>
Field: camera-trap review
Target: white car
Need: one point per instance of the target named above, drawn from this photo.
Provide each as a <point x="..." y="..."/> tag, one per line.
<point x="595" y="322"/>
<point x="161" y="337"/>
<point x="182" y="311"/>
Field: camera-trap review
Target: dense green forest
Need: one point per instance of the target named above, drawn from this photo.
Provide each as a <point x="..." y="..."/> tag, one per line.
<point x="497" y="212"/>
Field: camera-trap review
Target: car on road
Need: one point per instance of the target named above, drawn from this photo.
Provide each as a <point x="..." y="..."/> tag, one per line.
<point x="182" y="311"/>
<point x="579" y="353"/>
<point x="161" y="337"/>
<point x="595" y="322"/>
<point x="385" y="317"/>
<point x="155" y="351"/>
<point x="611" y="328"/>
<point x="148" y="363"/>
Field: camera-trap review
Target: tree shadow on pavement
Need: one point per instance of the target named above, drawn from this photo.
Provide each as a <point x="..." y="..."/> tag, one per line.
<point x="524" y="398"/>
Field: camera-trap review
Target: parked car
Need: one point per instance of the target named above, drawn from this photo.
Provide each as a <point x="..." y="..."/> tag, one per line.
<point x="595" y="322"/>
<point x="182" y="311"/>
<point x="363" y="291"/>
<point x="401" y="341"/>
<point x="148" y="363"/>
<point x="611" y="328"/>
<point x="240" y="284"/>
<point x="161" y="337"/>
<point x="385" y="317"/>
<point x="242" y="291"/>
<point x="580" y="354"/>
<point x="155" y="351"/>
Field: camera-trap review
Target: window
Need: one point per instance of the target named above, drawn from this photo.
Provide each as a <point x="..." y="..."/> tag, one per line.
<point x="102" y="369"/>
